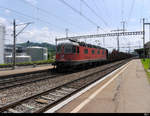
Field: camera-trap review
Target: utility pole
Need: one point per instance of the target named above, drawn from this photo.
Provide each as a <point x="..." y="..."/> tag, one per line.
<point x="144" y="36"/>
<point x="14" y="40"/>
<point x="98" y="29"/>
<point x="67" y="30"/>
<point x="123" y="24"/>
<point x="80" y="7"/>
<point x="14" y="46"/>
<point x="129" y="47"/>
<point x="97" y="41"/>
<point x="149" y="32"/>
<point x="144" y="24"/>
<point x="118" y="43"/>
<point x="118" y="30"/>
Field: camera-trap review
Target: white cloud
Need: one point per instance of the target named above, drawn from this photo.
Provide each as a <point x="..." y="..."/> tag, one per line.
<point x="45" y="35"/>
<point x="39" y="35"/>
<point x="133" y="20"/>
<point x="3" y="21"/>
<point x="7" y="11"/>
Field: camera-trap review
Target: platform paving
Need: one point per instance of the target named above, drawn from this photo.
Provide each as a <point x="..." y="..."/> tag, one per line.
<point x="24" y="70"/>
<point x="128" y="93"/>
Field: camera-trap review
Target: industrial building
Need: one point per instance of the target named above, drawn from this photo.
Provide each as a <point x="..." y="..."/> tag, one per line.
<point x="19" y="59"/>
<point x="21" y="56"/>
<point x="2" y="37"/>
<point x="25" y="54"/>
<point x="37" y="53"/>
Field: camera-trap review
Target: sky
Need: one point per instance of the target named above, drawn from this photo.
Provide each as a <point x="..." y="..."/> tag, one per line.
<point x="50" y="19"/>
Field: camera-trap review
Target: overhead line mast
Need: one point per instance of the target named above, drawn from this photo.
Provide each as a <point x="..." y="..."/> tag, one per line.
<point x="102" y="35"/>
<point x="14" y="37"/>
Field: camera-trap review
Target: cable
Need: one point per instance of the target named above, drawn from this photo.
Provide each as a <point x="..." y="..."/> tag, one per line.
<point x="143" y="4"/>
<point x="86" y="4"/>
<point x="48" y="13"/>
<point x="99" y="8"/>
<point x="24" y="15"/>
<point x="131" y="9"/>
<point x="122" y="11"/>
<point x="78" y="12"/>
<point x="106" y="9"/>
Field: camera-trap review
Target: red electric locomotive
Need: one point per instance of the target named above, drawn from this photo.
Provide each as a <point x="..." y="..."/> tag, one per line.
<point x="71" y="55"/>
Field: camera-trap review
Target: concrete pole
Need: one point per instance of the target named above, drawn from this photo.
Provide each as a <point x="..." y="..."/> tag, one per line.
<point x="14" y="45"/>
<point x="144" y="37"/>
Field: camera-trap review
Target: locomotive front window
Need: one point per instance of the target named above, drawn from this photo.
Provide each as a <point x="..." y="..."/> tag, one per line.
<point x="68" y="49"/>
<point x="74" y="49"/>
<point x="59" y="50"/>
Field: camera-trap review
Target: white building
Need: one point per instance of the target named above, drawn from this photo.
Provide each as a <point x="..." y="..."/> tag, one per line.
<point x="19" y="59"/>
<point x="2" y="37"/>
<point x="37" y="53"/>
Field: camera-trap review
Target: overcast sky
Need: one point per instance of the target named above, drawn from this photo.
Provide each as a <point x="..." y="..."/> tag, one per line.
<point x="52" y="17"/>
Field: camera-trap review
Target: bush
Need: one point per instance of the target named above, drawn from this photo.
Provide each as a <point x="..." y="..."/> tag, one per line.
<point x="146" y="63"/>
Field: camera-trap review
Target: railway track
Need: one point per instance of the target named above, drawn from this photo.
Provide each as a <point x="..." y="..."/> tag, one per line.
<point x="41" y="102"/>
<point x="17" y="80"/>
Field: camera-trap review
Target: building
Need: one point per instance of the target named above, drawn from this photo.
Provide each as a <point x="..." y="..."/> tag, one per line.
<point x="147" y="51"/>
<point x="19" y="59"/>
<point x="37" y="53"/>
<point x="21" y="56"/>
<point x="2" y="37"/>
<point x="147" y="47"/>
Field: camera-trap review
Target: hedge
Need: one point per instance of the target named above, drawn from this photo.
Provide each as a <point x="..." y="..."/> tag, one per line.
<point x="27" y="63"/>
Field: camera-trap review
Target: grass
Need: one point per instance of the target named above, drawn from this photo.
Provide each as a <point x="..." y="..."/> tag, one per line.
<point x="146" y="65"/>
<point x="28" y="63"/>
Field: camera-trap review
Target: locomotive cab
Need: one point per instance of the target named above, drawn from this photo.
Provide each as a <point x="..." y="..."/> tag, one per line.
<point x="66" y="54"/>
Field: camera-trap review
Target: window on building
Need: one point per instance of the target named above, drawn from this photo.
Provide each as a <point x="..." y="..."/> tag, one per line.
<point x="93" y="51"/>
<point x="86" y="51"/>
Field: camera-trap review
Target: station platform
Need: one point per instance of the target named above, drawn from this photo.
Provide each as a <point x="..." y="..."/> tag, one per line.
<point x="126" y="91"/>
<point x="21" y="70"/>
